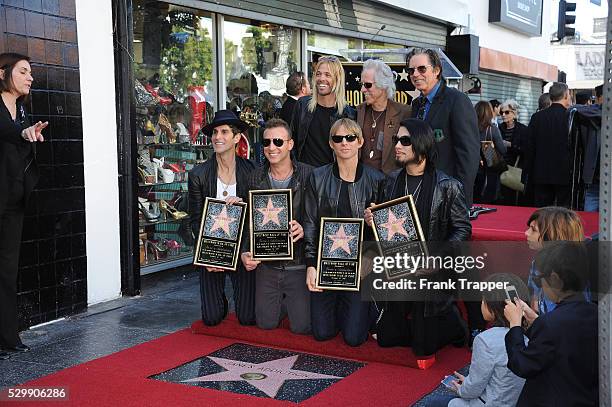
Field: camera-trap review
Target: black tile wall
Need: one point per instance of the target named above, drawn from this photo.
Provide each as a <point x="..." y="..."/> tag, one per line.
<point x="52" y="280"/>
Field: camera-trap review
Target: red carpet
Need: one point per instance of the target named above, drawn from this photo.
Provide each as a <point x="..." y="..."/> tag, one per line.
<point x="121" y="378"/>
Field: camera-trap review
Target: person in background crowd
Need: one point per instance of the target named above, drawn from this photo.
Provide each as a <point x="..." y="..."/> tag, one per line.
<point x="514" y="134"/>
<point x="280" y="288"/>
<point x="379" y="116"/>
<point x="544" y="101"/>
<point x="425" y="326"/>
<point x="18" y="176"/>
<point x="450" y="114"/>
<point x="224" y="176"/>
<point x="496" y="105"/>
<point x="490" y="381"/>
<point x="583" y="98"/>
<point x="548" y="157"/>
<point x="339" y="190"/>
<point x="487" y="179"/>
<point x="561" y="359"/>
<point x="591" y="139"/>
<point x="314" y="115"/>
<point x="544" y="225"/>
<point x="297" y="86"/>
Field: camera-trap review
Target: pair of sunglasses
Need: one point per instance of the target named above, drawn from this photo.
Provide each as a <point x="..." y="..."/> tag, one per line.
<point x="367" y="85"/>
<point x="422" y="69"/>
<point x="278" y="142"/>
<point x="404" y="140"/>
<point x="349" y="138"/>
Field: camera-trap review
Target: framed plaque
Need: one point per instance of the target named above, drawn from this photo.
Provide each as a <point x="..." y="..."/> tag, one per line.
<point x="398" y="230"/>
<point x="339" y="257"/>
<point x="220" y="234"/>
<point x="270" y="224"/>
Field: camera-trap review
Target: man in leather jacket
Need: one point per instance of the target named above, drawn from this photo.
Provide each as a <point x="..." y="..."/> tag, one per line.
<point x="342" y="189"/>
<point x="224" y="177"/>
<point x="280" y="288"/>
<point x="314" y="115"/>
<point x="443" y="215"/>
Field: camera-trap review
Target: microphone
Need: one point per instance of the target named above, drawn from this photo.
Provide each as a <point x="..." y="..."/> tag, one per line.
<point x="382" y="27"/>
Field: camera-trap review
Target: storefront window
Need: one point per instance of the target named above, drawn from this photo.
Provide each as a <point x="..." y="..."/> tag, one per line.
<point x="259" y="57"/>
<point x="174" y="94"/>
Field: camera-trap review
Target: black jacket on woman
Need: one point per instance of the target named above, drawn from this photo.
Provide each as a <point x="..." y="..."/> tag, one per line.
<point x="519" y="142"/>
<point x="17" y="156"/>
<point x="322" y="200"/>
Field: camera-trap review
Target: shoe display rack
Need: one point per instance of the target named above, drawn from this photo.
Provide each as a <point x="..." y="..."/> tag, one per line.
<point x="170" y="143"/>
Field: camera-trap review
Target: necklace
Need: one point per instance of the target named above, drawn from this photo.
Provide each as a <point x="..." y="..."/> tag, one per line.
<point x="224" y="186"/>
<point x="417" y="190"/>
<point x="375" y="119"/>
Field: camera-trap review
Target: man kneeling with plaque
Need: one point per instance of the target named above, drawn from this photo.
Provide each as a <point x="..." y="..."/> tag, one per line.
<point x="426" y="325"/>
<point x="280" y="289"/>
<point x="339" y="190"/>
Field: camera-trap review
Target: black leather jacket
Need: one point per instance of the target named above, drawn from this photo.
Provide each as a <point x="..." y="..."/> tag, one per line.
<point x="449" y="219"/>
<point x="322" y="194"/>
<point x="259" y="180"/>
<point x="202" y="183"/>
<point x="302" y="117"/>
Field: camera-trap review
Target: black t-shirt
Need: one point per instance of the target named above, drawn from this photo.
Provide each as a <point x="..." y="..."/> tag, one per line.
<point x="316" y="151"/>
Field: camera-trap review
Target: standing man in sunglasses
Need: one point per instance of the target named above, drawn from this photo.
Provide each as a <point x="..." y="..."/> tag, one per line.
<point x="280" y="288"/>
<point x="379" y="115"/>
<point x="297" y="87"/>
<point x="342" y="189"/>
<point x="313" y="116"/>
<point x="443" y="214"/>
<point x="451" y="116"/>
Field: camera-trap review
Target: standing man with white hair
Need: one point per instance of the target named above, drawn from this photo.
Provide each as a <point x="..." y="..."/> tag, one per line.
<point x="379" y="115"/>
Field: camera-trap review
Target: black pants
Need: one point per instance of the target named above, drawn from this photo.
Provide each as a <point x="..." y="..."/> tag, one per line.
<point x="11" y="224"/>
<point x="214" y="302"/>
<point x="548" y="194"/>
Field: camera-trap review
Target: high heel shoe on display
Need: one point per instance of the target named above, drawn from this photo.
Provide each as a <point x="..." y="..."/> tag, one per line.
<point x="157" y="249"/>
<point x="148" y="214"/>
<point x="172" y="211"/>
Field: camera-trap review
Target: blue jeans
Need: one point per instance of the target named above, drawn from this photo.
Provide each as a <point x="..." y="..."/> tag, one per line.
<point x="440" y="399"/>
<point x="591" y="198"/>
<point x="344" y="311"/>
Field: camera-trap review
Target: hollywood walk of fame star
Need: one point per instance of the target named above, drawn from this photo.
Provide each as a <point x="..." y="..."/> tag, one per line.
<point x="270" y="213"/>
<point x="403" y="75"/>
<point x="394" y="226"/>
<point x="266" y="376"/>
<point x="223" y="221"/>
<point x="341" y="240"/>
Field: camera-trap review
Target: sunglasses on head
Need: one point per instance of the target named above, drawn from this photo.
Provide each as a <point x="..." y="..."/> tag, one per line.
<point x="367" y="85"/>
<point x="422" y="69"/>
<point x="349" y="137"/>
<point x="278" y="142"/>
<point x="404" y="140"/>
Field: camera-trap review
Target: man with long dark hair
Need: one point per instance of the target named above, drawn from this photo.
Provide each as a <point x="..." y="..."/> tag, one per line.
<point x="443" y="214"/>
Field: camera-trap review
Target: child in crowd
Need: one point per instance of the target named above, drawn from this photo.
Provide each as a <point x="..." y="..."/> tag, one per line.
<point x="544" y="225"/>
<point x="489" y="380"/>
<point x="560" y="362"/>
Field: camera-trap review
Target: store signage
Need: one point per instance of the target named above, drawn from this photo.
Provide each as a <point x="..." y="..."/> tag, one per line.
<point x="524" y="16"/>
<point x="590" y="64"/>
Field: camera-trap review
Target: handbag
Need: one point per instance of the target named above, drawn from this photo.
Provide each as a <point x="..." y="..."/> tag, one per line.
<point x="511" y="178"/>
<point x="492" y="158"/>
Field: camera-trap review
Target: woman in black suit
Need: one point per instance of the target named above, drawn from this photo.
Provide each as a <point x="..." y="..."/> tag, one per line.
<point x="18" y="175"/>
<point x="514" y="134"/>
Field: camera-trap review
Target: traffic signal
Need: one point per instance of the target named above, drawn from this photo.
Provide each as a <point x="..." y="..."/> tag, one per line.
<point x="566" y="19"/>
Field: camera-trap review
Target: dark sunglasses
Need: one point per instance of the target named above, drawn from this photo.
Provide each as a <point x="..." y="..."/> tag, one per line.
<point x="506" y="112"/>
<point x="367" y="85"/>
<point x="405" y="140"/>
<point x="278" y="142"/>
<point x="422" y="69"/>
<point x="349" y="137"/>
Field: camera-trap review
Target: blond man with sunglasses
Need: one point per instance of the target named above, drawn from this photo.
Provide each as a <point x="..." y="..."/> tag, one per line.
<point x="280" y="289"/>
<point x="342" y="189"/>
<point x="450" y="114"/>
<point x="314" y="115"/>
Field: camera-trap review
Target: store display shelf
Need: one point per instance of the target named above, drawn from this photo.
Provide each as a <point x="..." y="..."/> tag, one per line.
<point x="177" y="144"/>
<point x="167" y="220"/>
<point x="140" y="184"/>
<point x="164" y="264"/>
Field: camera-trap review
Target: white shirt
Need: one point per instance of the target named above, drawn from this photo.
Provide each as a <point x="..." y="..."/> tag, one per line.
<point x="231" y="189"/>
